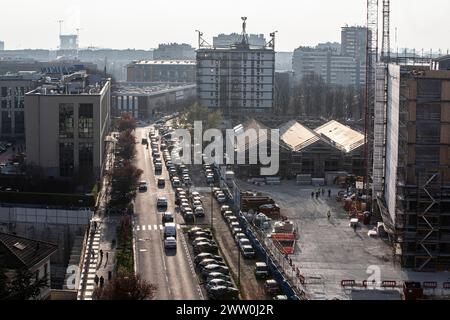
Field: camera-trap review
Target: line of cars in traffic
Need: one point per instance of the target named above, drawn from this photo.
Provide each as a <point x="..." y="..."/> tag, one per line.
<point x="211" y="266"/>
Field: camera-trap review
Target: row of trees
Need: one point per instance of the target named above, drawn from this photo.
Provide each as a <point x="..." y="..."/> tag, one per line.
<point x="312" y="97"/>
<point x="22" y="286"/>
<point x="125" y="176"/>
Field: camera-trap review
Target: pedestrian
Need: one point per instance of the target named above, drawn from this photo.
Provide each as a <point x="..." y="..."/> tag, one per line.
<point x="95" y="226"/>
<point x="317" y="194"/>
<point x="329" y="193"/>
<point x="113" y="243"/>
<point x="101" y="254"/>
<point x="102" y="281"/>
<point x="109" y="275"/>
<point x="355" y="225"/>
<point x="107" y="256"/>
<point x="329" y="214"/>
<point x="312" y="195"/>
<point x="323" y="191"/>
<point x="92" y="254"/>
<point x="96" y="279"/>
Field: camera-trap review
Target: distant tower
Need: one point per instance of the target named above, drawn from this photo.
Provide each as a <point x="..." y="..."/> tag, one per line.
<point x="244" y="35"/>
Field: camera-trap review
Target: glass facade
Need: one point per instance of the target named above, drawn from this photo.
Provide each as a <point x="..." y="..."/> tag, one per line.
<point x="86" y="121"/>
<point x="66" y="159"/>
<point x="66" y="120"/>
<point x="86" y="156"/>
<point x="19" y="122"/>
<point x="6" y="122"/>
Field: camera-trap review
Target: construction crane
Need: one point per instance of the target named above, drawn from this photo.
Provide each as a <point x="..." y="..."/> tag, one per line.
<point x="371" y="63"/>
<point x="386" y="48"/>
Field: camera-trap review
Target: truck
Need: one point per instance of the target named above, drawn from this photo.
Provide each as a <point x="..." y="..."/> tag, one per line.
<point x="254" y="202"/>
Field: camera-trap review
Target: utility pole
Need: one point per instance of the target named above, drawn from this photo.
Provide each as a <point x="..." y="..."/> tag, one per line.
<point x="212" y="207"/>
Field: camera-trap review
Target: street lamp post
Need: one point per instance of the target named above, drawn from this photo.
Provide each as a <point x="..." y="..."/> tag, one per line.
<point x="239" y="268"/>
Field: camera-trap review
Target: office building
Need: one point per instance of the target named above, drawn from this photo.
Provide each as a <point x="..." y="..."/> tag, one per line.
<point x="335" y="70"/>
<point x="66" y="123"/>
<point x="2" y="46"/>
<point x="157" y="71"/>
<point x="13" y="87"/>
<point x="412" y="163"/>
<point x="174" y="51"/>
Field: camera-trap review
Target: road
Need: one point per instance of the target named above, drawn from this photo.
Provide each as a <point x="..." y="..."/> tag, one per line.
<point x="171" y="272"/>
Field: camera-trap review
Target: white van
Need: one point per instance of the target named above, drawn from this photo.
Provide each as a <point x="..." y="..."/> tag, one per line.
<point x="170" y="230"/>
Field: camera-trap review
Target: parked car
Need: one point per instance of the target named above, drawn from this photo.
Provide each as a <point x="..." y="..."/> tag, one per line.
<point x="271" y="287"/>
<point x="189" y="217"/>
<point x="161" y="202"/>
<point x="216" y="283"/>
<point x="244" y="242"/>
<point x="202" y="234"/>
<point x="248" y="252"/>
<point x="236" y="230"/>
<point x="202" y="256"/>
<point x="227" y="214"/>
<point x="214" y="268"/>
<point x="224" y="209"/>
<point x="170" y="243"/>
<point x="207" y="262"/>
<point x="196" y="241"/>
<point x="199" y="212"/>
<point x="231" y="219"/>
<point x="223" y="293"/>
<point x="205" y="247"/>
<point x="193" y="231"/>
<point x="281" y="297"/>
<point x="239" y="236"/>
<point x="218" y="275"/>
<point x="197" y="203"/>
<point x="261" y="270"/>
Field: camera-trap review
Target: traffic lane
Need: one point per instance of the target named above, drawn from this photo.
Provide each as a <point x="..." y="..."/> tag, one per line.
<point x="180" y="280"/>
<point x="149" y="243"/>
<point x="181" y="273"/>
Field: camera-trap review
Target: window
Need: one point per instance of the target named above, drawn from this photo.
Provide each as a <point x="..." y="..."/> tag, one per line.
<point x="66" y="159"/>
<point x="19" y="122"/>
<point x="86" y="121"/>
<point x="66" y="120"/>
<point x="4" y="92"/>
<point x="6" y="122"/>
<point x="86" y="156"/>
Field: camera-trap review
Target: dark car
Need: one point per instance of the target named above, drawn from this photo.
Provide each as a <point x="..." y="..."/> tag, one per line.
<point x="271" y="287"/>
<point x="161" y="182"/>
<point x="202" y="234"/>
<point x="223" y="293"/>
<point x="214" y="268"/>
<point x="167" y="217"/>
<point x="217" y="283"/>
<point x="202" y="256"/>
<point x="261" y="270"/>
<point x="207" y="262"/>
<point x="206" y="247"/>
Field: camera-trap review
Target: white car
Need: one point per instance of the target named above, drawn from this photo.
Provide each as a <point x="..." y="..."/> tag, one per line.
<point x="197" y="203"/>
<point x="170" y="243"/>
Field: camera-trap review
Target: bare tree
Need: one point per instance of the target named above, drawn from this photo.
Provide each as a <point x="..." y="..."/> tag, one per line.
<point x="126" y="287"/>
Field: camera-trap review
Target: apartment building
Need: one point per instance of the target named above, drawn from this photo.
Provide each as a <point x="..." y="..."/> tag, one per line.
<point x="158" y="71"/>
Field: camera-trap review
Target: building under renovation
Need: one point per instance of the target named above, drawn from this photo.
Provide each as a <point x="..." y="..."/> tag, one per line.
<point x="324" y="153"/>
<point x="411" y="163"/>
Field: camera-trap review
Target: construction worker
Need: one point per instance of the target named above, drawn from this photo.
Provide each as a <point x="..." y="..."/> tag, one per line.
<point x="329" y="193"/>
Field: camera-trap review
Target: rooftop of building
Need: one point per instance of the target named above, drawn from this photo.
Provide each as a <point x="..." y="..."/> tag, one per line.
<point x="76" y="83"/>
<point x="245" y="48"/>
<point x="341" y="136"/>
<point x="297" y="136"/>
<point x="19" y="252"/>
<point x="165" y="62"/>
<point x="21" y="75"/>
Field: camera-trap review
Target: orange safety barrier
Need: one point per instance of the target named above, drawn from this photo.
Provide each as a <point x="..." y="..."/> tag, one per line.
<point x="348" y="283"/>
<point x="430" y="285"/>
<point x="389" y="284"/>
<point x="283" y="236"/>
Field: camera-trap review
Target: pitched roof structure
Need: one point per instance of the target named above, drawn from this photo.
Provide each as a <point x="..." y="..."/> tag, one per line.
<point x="296" y="136"/>
<point x="342" y="137"/>
<point x="19" y="252"/>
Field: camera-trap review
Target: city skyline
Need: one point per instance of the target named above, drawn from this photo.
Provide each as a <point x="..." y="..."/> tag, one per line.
<point x="149" y="24"/>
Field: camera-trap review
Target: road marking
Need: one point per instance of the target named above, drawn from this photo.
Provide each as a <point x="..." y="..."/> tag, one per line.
<point x="143" y="250"/>
<point x="143" y="227"/>
<point x="155" y="227"/>
<point x="178" y="227"/>
<point x="138" y="228"/>
<point x="149" y="227"/>
<point x="160" y="227"/>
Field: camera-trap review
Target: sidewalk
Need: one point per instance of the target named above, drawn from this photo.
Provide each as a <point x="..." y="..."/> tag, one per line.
<point x="100" y="241"/>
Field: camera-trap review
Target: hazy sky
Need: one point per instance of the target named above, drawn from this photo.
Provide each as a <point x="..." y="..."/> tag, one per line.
<point x="145" y="23"/>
